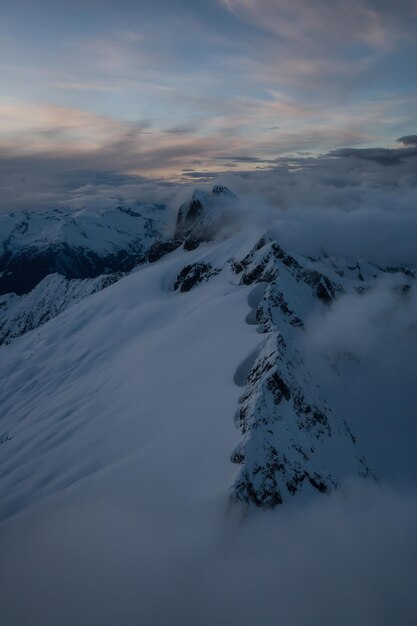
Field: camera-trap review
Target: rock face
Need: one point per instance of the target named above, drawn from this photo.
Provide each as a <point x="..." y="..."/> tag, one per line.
<point x="192" y="275"/>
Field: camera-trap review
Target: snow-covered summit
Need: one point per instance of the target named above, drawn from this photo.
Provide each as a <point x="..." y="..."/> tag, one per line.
<point x="205" y="215"/>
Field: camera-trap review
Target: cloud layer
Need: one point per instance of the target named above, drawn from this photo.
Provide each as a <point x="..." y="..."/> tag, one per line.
<point x="349" y="559"/>
<point x="161" y="88"/>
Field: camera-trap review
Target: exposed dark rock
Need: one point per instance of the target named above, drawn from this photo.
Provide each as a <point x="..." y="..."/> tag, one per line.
<point x="238" y="456"/>
<point x="188" y="216"/>
<point x="318" y="484"/>
<point x="161" y="248"/>
<point x="325" y="291"/>
<point x="284" y="389"/>
<point x="192" y="244"/>
<point x="192" y="275"/>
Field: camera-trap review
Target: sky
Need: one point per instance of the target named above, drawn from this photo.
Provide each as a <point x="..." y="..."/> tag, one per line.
<point x="179" y="90"/>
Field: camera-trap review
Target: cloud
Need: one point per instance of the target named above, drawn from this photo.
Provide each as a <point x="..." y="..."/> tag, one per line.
<point x="336" y="206"/>
<point x="341" y="206"/>
<point x="52" y="155"/>
<point x="48" y="153"/>
<point x="374" y="391"/>
<point x="316" y="75"/>
<point x="105" y="558"/>
<point x="243" y="159"/>
<point x="383" y="156"/>
<point x="330" y="52"/>
<point x="74" y="86"/>
<point x="408" y="140"/>
<point x="366" y="21"/>
<point x="40" y="145"/>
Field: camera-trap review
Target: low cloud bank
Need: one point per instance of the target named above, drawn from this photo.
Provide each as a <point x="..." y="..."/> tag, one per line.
<point x="346" y="559"/>
<point x="337" y="206"/>
<point x="370" y="340"/>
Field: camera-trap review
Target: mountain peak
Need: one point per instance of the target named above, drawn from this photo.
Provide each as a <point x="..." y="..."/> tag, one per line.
<point x="201" y="218"/>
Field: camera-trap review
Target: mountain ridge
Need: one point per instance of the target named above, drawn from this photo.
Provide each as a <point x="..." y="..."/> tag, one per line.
<point x="288" y="441"/>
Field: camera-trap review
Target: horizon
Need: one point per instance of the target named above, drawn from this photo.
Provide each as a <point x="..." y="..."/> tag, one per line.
<point x="179" y="91"/>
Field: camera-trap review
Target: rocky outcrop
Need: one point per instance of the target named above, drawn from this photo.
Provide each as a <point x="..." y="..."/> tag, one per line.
<point x="192" y="275"/>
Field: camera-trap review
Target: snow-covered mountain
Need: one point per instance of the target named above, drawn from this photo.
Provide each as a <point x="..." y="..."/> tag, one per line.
<point x="211" y="318"/>
<point x="225" y="310"/>
<point x="52" y="259"/>
<point x="75" y="244"/>
<point x="149" y="413"/>
<point x="51" y="296"/>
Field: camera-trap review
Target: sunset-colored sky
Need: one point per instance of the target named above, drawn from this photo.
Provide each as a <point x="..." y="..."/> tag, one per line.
<point x="172" y="88"/>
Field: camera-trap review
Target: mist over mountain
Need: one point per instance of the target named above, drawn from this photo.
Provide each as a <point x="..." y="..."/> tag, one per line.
<point x="209" y="395"/>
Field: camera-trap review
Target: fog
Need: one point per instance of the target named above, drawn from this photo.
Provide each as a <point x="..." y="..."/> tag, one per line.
<point x="348" y="559"/>
<point x="337" y="206"/>
<point x="371" y="341"/>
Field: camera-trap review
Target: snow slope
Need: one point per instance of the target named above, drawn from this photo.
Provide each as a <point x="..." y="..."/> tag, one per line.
<point x="84" y="390"/>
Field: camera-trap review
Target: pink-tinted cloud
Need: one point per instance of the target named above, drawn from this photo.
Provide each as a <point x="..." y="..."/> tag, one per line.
<point x="376" y="23"/>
